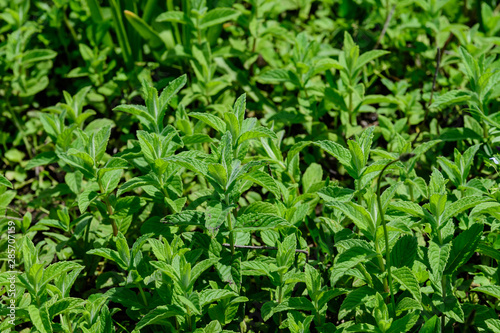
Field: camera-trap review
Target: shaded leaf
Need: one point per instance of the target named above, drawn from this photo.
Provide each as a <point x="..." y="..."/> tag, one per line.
<point x="453" y="97"/>
<point x="265" y="180"/>
<point x="438" y="257"/>
<point x="254" y="222"/>
<point x="493" y="291"/>
<point x="157" y="315"/>
<point x="293" y="303"/>
<point x="218" y="16"/>
<point x="213" y="121"/>
<point x="40" y="318"/>
<point x="408" y="281"/>
<point x="45" y="158"/>
<point x="257" y="132"/>
<point x="404" y="251"/>
<point x="354" y="299"/>
<point x="214" y="295"/>
<point x="347" y="260"/>
<point x="464" y="246"/>
<point x="340" y="153"/>
<point x="274" y="76"/>
<point x="431" y="325"/>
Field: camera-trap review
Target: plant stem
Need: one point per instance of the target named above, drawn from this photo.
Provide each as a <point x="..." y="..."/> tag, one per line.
<point x="257" y="28"/>
<point x="198" y="30"/>
<point x="352" y="117"/>
<point x="386" y="237"/>
<point x="438" y="62"/>
<point x="380" y="259"/>
<point x="280" y="293"/>
<point x="68" y="322"/>
<point x="386" y="24"/>
<point x="87" y="232"/>
<point x="293" y="181"/>
<point x="142" y="294"/>
<point x="318" y="318"/>
<point x="412" y="197"/>
<point x="17" y="123"/>
<point x="189" y="321"/>
<point x="443" y="287"/>
<point x="70" y="28"/>
<point x="121" y="33"/>
<point x="110" y="210"/>
<point x="357" y="183"/>
<point x="230" y="227"/>
<point x="258" y="247"/>
<point x="170" y="7"/>
<point x="280" y="297"/>
<point x="231" y="235"/>
<point x="443" y="284"/>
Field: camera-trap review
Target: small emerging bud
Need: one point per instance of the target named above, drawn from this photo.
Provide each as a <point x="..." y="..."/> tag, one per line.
<point x="494" y="160"/>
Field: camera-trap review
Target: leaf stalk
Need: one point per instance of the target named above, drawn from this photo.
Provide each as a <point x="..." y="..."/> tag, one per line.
<point x="403" y="157"/>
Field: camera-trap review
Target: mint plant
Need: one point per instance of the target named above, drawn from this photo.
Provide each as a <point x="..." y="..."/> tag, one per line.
<point x="249" y="166"/>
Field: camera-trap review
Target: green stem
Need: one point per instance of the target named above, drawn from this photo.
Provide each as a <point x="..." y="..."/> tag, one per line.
<point x="357" y="183"/>
<point x="121" y="326"/>
<point x="198" y="32"/>
<point x="293" y="181"/>
<point x="443" y="287"/>
<point x="70" y="28"/>
<point x="143" y="295"/>
<point x="170" y="8"/>
<point x="380" y="260"/>
<point x="230" y="227"/>
<point x="186" y="30"/>
<point x="412" y="198"/>
<point x="189" y="321"/>
<point x="17" y="123"/>
<point x="257" y="28"/>
<point x="231" y="235"/>
<point x="318" y="318"/>
<point x="110" y="210"/>
<point x="87" y="232"/>
<point x="352" y="116"/>
<point x="386" y="237"/>
<point x="485" y="131"/>
<point x="280" y="292"/>
<point x="443" y="284"/>
<point x="68" y="322"/>
<point x="280" y="298"/>
<point x="121" y="33"/>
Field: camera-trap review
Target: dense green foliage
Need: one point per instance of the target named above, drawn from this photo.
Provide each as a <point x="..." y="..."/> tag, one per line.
<point x="250" y="166"/>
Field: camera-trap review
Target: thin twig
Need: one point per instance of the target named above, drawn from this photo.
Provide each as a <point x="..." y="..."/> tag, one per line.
<point x="450" y="37"/>
<point x="13" y="218"/>
<point x="255" y="247"/>
<point x="386" y="25"/>
<point x="438" y="62"/>
<point x="439" y="54"/>
<point x="386" y="239"/>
